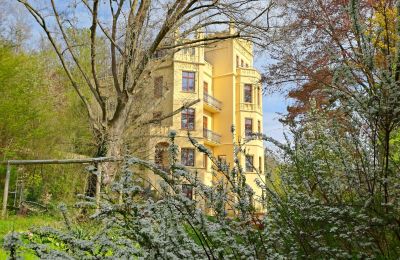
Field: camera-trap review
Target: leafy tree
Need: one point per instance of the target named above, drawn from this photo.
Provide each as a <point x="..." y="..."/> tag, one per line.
<point x="313" y="90"/>
<point x="337" y="196"/>
<point x="38" y="120"/>
<point x="359" y="46"/>
<point x="23" y="107"/>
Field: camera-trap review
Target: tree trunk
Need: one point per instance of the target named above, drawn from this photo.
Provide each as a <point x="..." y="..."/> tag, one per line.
<point x="114" y="148"/>
<point x="110" y="146"/>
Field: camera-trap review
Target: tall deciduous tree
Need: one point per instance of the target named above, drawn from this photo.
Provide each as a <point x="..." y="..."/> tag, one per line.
<point x="134" y="32"/>
<point x="358" y="42"/>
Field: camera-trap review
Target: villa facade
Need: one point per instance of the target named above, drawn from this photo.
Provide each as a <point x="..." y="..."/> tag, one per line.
<point x="222" y="77"/>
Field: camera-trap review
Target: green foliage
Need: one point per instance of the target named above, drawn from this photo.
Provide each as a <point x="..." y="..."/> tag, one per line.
<point x="23" y="104"/>
<point x="41" y="118"/>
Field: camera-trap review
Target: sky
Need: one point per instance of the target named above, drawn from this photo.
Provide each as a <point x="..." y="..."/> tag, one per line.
<point x="274" y="105"/>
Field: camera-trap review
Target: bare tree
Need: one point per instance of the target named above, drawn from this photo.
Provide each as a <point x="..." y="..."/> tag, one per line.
<point x="134" y="31"/>
<point x="14" y="26"/>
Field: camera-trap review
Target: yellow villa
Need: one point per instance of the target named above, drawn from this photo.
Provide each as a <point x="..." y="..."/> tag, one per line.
<point x="221" y="75"/>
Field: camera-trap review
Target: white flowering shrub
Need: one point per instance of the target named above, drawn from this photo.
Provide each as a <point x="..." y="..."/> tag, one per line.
<point x="170" y="227"/>
<point x="334" y="199"/>
<point x="322" y="207"/>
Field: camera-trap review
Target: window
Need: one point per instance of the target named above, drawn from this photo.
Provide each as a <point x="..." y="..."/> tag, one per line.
<point x="248" y="89"/>
<point x="160" y="54"/>
<point x="189" y="51"/>
<point x="205" y="161"/>
<point x="248" y="126"/>
<point x="158" y="87"/>
<point x="259" y="164"/>
<point x="187" y="156"/>
<point x="161" y="155"/>
<point x="188" y="79"/>
<point x="187" y="190"/>
<point x="222" y="158"/>
<point x="187" y="119"/>
<point x="205" y="122"/>
<point x="249" y="163"/>
<point x="157" y="116"/>
<point x="241" y="63"/>
<point x="158" y="157"/>
<point x="258" y="96"/>
<point x="237" y="61"/>
<point x="205" y="87"/>
<point x="259" y="126"/>
<point x="247" y="65"/>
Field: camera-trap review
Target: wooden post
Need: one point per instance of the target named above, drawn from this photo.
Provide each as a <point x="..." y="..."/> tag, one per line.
<point x="98" y="187"/>
<point x="5" y="195"/>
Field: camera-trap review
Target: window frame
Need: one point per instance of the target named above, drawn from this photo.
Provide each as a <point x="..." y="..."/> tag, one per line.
<point x="248" y="87"/>
<point x="186" y="79"/>
<point x="161" y="155"/>
<point x="189" y="116"/>
<point x="246" y="132"/>
<point x="158" y="86"/>
<point x="188" y="190"/>
<point x="184" y="153"/>
<point x="249" y="163"/>
<point x="191" y="51"/>
<point x="222" y="158"/>
<point x="157" y="116"/>
<point x="205" y="87"/>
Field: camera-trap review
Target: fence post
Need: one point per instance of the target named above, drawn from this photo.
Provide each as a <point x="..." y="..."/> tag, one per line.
<point x="5" y="195"/>
<point x="98" y="188"/>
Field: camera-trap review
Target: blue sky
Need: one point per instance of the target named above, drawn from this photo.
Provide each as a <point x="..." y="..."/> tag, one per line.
<point x="273" y="104"/>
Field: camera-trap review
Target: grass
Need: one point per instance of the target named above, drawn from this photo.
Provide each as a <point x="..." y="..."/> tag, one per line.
<point x="20" y="223"/>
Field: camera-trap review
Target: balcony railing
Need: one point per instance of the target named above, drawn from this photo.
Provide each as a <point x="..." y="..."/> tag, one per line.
<point x="211" y="136"/>
<point x="212" y="101"/>
<point x="253" y="135"/>
<point x="250" y="106"/>
<point x="248" y="72"/>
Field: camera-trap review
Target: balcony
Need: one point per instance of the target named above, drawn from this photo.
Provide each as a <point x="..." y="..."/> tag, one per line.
<point x="248" y="72"/>
<point x="250" y="107"/>
<point x="211" y="138"/>
<point x="213" y="104"/>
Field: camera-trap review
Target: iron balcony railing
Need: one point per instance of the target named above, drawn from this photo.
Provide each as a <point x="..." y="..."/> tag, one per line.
<point x="211" y="136"/>
<point x="212" y="101"/>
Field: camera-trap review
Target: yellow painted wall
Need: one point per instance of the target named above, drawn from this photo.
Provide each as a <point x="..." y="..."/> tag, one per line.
<point x="216" y="65"/>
